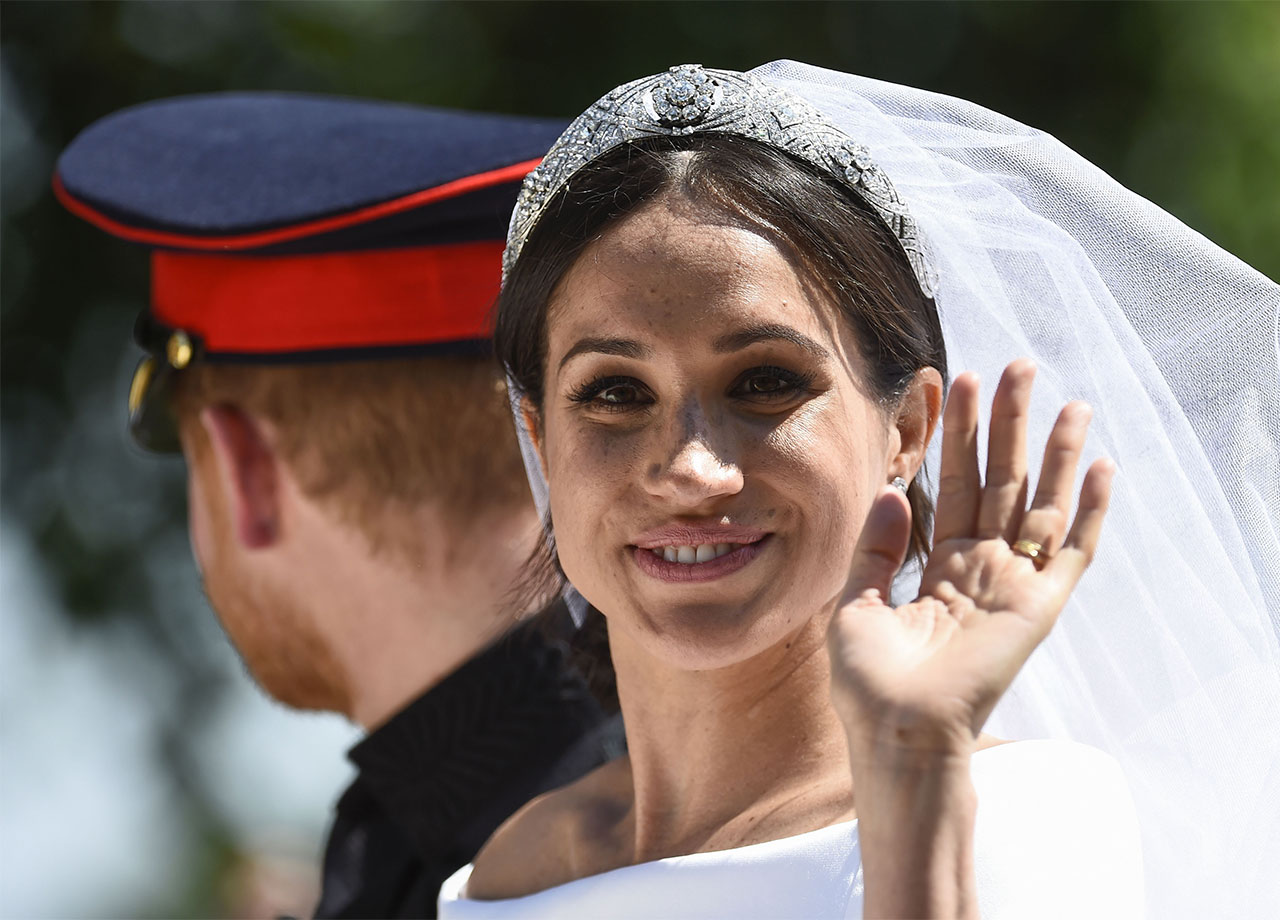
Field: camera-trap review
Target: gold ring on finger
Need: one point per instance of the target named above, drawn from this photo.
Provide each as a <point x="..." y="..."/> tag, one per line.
<point x="1033" y="551"/>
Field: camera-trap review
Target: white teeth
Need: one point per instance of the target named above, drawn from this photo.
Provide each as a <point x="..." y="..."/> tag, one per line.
<point x="691" y="555"/>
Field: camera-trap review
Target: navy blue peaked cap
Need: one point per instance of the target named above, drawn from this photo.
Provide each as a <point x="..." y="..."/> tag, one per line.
<point x="177" y="172"/>
<point x="290" y="227"/>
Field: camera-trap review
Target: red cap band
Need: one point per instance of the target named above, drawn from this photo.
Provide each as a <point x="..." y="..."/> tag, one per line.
<point x="329" y="301"/>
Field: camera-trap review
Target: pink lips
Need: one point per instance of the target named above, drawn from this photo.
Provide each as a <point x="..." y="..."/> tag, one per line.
<point x="685" y="573"/>
<point x="693" y="535"/>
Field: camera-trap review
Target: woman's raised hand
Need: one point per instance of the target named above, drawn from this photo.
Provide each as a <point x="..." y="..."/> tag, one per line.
<point x="922" y="678"/>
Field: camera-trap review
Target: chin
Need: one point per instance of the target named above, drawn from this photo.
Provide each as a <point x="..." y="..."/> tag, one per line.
<point x="300" y="689"/>
<point x="710" y="636"/>
<point x="714" y="624"/>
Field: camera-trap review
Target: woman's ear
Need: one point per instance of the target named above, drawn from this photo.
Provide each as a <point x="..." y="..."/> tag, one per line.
<point x="246" y="466"/>
<point x="532" y="420"/>
<point x="915" y="420"/>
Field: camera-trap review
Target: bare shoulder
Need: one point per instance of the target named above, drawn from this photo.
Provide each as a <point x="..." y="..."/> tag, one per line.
<point x="532" y="844"/>
<point x="555" y="838"/>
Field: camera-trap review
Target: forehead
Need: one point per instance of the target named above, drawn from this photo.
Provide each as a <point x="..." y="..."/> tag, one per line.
<point x="673" y="268"/>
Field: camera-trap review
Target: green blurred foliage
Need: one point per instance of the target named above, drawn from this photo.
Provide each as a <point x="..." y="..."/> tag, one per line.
<point x="1176" y="100"/>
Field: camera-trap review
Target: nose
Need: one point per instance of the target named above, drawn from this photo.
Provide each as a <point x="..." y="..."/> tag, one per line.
<point x="691" y="471"/>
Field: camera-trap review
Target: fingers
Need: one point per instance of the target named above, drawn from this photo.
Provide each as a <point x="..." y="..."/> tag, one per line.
<point x="959" y="485"/>
<point x="1081" y="543"/>
<point x="1005" y="495"/>
<point x="1046" y="521"/>
<point x="967" y="508"/>
<point x="882" y="545"/>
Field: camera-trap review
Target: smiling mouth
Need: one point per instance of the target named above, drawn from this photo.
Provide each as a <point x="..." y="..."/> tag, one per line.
<point x="695" y="562"/>
<point x="692" y="555"/>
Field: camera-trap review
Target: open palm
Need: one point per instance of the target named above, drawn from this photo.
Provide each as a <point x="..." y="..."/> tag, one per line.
<point x="925" y="676"/>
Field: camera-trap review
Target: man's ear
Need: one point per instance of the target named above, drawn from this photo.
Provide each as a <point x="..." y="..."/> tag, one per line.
<point x="533" y="425"/>
<point x="915" y="420"/>
<point x="247" y="468"/>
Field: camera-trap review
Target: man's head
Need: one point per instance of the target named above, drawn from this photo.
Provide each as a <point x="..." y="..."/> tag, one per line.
<point x="409" y="456"/>
<point x="322" y="275"/>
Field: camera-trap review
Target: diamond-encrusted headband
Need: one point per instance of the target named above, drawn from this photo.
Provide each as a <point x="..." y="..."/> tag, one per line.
<point x="690" y="99"/>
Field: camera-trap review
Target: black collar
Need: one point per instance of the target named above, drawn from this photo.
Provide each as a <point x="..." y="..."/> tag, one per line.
<point x="453" y="764"/>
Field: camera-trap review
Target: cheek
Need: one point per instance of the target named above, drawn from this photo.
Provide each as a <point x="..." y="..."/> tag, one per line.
<point x="589" y="471"/>
<point x="198" y="519"/>
<point x="827" y="463"/>
<point x="209" y="524"/>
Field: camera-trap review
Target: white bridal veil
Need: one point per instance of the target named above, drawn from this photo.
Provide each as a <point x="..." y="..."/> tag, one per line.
<point x="1167" y="656"/>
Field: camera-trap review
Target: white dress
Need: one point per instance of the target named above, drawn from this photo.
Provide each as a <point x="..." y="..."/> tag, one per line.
<point x="1056" y="836"/>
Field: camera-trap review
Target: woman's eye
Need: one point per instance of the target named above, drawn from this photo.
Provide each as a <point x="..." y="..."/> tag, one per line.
<point x="770" y="383"/>
<point x="612" y="394"/>
<point x="618" y="395"/>
<point x="763" y="384"/>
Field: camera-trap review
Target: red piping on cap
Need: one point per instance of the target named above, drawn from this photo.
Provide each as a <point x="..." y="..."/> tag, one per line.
<point x="288" y="304"/>
<point x="513" y="173"/>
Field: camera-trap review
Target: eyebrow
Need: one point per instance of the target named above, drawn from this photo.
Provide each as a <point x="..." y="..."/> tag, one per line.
<point x="768" y="332"/>
<point x="733" y="341"/>
<point x="623" y="348"/>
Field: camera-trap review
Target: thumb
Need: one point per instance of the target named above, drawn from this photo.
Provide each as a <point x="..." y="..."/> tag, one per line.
<point x="882" y="546"/>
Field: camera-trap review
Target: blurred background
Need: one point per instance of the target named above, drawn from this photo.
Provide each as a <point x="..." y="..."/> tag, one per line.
<point x="141" y="773"/>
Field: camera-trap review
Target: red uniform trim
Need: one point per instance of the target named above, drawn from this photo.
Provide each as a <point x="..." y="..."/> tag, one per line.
<point x="256" y="240"/>
<point x="343" y="300"/>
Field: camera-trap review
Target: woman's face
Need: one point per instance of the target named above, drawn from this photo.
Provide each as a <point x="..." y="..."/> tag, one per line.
<point x="710" y="449"/>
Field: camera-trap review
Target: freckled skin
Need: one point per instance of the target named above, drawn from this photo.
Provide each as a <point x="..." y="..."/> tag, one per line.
<point x="804" y="468"/>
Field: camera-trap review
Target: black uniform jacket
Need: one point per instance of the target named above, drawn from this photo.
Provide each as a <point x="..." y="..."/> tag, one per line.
<point x="440" y="776"/>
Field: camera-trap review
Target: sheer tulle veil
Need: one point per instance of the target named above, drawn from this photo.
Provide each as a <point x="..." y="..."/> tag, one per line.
<point x="1168" y="655"/>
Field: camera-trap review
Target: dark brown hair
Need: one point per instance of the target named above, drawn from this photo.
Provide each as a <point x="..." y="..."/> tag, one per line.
<point x="838" y="240"/>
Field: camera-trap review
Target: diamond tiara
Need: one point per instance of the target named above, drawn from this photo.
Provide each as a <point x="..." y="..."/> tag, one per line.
<point x="690" y="99"/>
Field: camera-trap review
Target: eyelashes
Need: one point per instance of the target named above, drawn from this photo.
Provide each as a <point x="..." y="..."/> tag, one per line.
<point x="760" y="386"/>
<point x="612" y="394"/>
<point x="771" y="382"/>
